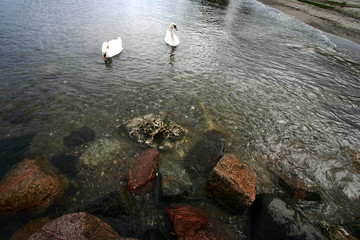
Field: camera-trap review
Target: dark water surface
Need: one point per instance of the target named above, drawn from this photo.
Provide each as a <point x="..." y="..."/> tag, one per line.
<point x="286" y="98"/>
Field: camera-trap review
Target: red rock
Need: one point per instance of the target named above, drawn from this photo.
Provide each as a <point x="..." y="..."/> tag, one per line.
<point x="191" y="223"/>
<point x="76" y="226"/>
<point x="144" y="171"/>
<point x="33" y="184"/>
<point x="233" y="184"/>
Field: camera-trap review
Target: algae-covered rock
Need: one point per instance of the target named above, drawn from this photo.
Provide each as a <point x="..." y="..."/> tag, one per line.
<point x="101" y="150"/>
<point x="152" y="129"/>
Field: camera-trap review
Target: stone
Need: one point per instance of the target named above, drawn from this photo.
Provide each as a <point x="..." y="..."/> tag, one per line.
<point x="152" y="234"/>
<point x="174" y="181"/>
<point x="144" y="171"/>
<point x="192" y="223"/>
<point x="13" y="150"/>
<point x="232" y="184"/>
<point x="33" y="185"/>
<point x="335" y="232"/>
<point x="99" y="151"/>
<point x="298" y="190"/>
<point x="354" y="156"/>
<point x="77" y="226"/>
<point x="272" y="218"/>
<point x="205" y="154"/>
<point x="29" y="229"/>
<point x="151" y="130"/>
<point x="80" y="136"/>
<point x="66" y="164"/>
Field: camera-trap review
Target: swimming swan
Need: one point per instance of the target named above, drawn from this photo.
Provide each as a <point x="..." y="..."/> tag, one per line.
<point x="111" y="48"/>
<point x="170" y="37"/>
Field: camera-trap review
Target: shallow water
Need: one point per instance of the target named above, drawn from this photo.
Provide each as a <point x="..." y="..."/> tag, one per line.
<point x="286" y="98"/>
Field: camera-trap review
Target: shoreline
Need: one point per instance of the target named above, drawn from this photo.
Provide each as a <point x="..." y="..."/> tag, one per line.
<point x="339" y="21"/>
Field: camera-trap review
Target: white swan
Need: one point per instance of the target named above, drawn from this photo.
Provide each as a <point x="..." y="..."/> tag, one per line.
<point x="111" y="48"/>
<point x="170" y="37"/>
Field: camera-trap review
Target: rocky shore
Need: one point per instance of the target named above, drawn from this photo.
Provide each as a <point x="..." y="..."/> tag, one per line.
<point x="338" y="18"/>
<point x="204" y="194"/>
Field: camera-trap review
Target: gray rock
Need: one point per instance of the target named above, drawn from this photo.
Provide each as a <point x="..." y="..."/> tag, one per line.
<point x="272" y="218"/>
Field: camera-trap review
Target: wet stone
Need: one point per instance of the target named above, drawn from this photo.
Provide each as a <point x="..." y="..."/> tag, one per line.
<point x="272" y="218"/>
<point x="335" y="232"/>
<point x="99" y="151"/>
<point x="232" y="184"/>
<point x="298" y="190"/>
<point x="80" y="136"/>
<point x="354" y="156"/>
<point x="192" y="223"/>
<point x="80" y="226"/>
<point x="66" y="164"/>
<point x="152" y="130"/>
<point x="144" y="171"/>
<point x="175" y="182"/>
<point x="205" y="154"/>
<point x="33" y="185"/>
<point x="29" y="229"/>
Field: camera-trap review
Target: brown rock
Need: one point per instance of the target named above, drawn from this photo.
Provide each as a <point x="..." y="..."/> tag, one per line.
<point x="33" y="184"/>
<point x="298" y="190"/>
<point x="191" y="223"/>
<point x="29" y="229"/>
<point x="77" y="226"/>
<point x="144" y="171"/>
<point x="232" y="184"/>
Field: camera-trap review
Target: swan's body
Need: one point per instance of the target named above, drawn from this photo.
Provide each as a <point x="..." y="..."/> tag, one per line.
<point x="112" y="48"/>
<point x="170" y="37"/>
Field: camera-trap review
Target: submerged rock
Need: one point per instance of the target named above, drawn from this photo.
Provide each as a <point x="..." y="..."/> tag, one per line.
<point x="272" y="218"/>
<point x="298" y="190"/>
<point x="175" y="182"/>
<point x="66" y="164"/>
<point x="192" y="223"/>
<point x="33" y="185"/>
<point x="29" y="229"/>
<point x="80" y="136"/>
<point x="205" y="154"/>
<point x="232" y="184"/>
<point x="335" y="232"/>
<point x="79" y="226"/>
<point x="102" y="150"/>
<point x="152" y="234"/>
<point x="151" y="130"/>
<point x="354" y="156"/>
<point x="144" y="171"/>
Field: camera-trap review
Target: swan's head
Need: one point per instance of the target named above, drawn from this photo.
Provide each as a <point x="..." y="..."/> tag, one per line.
<point x="173" y="26"/>
<point x="104" y="49"/>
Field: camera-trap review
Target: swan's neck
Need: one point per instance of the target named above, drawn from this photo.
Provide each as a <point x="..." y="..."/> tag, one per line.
<point x="172" y="35"/>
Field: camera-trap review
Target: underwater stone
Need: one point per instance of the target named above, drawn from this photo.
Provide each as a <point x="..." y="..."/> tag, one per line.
<point x="65" y="163"/>
<point x="144" y="171"/>
<point x="205" y="154"/>
<point x="80" y="136"/>
<point x="101" y="150"/>
<point x="335" y="232"/>
<point x="33" y="185"/>
<point x="298" y="190"/>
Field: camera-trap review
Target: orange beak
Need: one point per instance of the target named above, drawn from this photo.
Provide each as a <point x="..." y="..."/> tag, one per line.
<point x="105" y="57"/>
<point x="176" y="28"/>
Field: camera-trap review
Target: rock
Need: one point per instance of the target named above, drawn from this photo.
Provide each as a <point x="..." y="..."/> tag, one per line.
<point x="151" y="130"/>
<point x="101" y="150"/>
<point x="175" y="182"/>
<point x="152" y="234"/>
<point x="232" y="184"/>
<point x="205" y="154"/>
<point x="32" y="185"/>
<point x="80" y="136"/>
<point x="335" y="232"/>
<point x="298" y="190"/>
<point x="272" y="218"/>
<point x="192" y="223"/>
<point x="29" y="229"/>
<point x="144" y="171"/>
<point x="111" y="204"/>
<point x="12" y="151"/>
<point x="79" y="226"/>
<point x="354" y="156"/>
<point x="66" y="164"/>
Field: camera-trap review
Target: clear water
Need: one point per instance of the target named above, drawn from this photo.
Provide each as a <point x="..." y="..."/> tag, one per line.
<point x="284" y="95"/>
